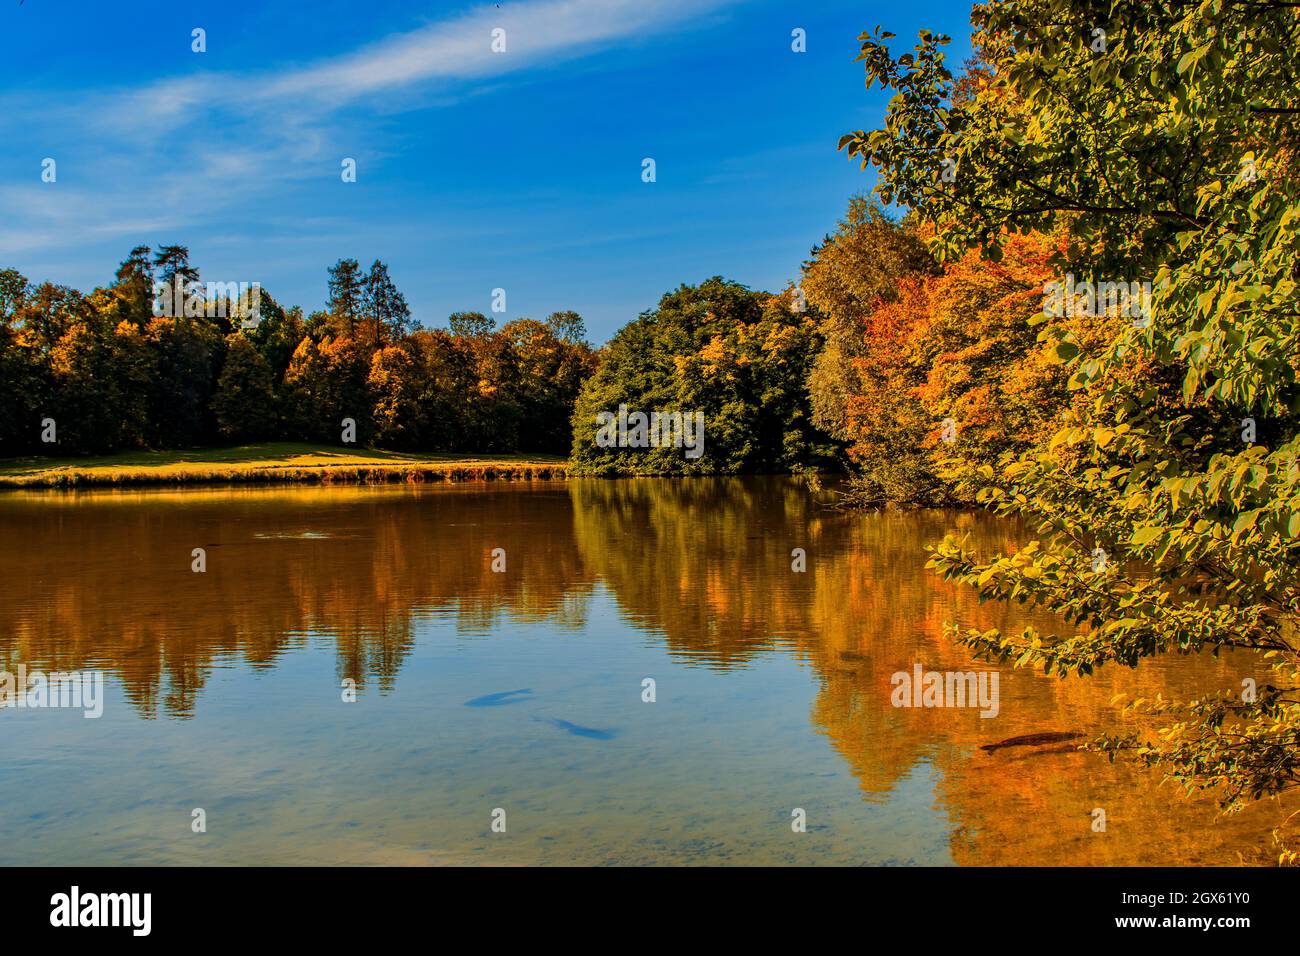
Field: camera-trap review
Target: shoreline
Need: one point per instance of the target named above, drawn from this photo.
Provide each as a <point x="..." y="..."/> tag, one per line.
<point x="321" y="475"/>
<point x="275" y="463"/>
<point x="289" y="463"/>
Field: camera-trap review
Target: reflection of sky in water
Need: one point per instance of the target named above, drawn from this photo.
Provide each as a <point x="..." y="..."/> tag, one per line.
<point x="223" y="689"/>
<point x="287" y="773"/>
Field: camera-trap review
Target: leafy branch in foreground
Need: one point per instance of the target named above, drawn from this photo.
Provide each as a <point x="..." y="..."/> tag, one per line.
<point x="1166" y="506"/>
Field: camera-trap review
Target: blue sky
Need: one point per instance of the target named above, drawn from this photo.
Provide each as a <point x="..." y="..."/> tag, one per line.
<point x="475" y="170"/>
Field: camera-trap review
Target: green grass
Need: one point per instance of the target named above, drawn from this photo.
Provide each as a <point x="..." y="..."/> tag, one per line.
<point x="271" y="462"/>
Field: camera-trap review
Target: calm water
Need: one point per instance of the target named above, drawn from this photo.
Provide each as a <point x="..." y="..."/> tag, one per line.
<point x="223" y="689"/>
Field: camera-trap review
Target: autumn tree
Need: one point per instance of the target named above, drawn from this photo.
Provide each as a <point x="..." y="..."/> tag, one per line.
<point x="549" y="373"/>
<point x="1165" y="508"/>
<point x="398" y="383"/>
<point x="848" y="275"/>
<point x="451" y="420"/>
<point x="21" y="372"/>
<point x="113" y="375"/>
<point x="100" y="378"/>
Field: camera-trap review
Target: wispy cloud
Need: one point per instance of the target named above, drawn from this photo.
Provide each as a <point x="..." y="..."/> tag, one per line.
<point x="462" y="48"/>
<point x="447" y="52"/>
<point x="214" y="139"/>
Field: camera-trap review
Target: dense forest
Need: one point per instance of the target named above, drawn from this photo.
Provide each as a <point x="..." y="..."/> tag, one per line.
<point x="111" y="373"/>
<point x="859" y="366"/>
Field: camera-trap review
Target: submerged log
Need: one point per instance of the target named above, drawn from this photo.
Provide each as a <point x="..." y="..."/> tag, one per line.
<point x="1031" y="740"/>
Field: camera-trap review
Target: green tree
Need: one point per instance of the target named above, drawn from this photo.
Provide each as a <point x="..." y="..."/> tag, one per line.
<point x="383" y="306"/>
<point x="244" y="403"/>
<point x="568" y="327"/>
<point x="738" y="358"/>
<point x="277" y="333"/>
<point x="172" y="268"/>
<point x="1167" y="509"/>
<point x="135" y="278"/>
<point x="471" y="324"/>
<point x="21" y="380"/>
<point x="186" y="354"/>
<point x="346" y="295"/>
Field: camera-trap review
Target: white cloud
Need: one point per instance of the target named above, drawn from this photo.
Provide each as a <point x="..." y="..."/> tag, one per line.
<point x="184" y="148"/>
<point x="452" y="50"/>
<point x="461" y="48"/>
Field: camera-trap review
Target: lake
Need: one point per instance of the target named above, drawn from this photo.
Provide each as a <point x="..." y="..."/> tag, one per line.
<point x="503" y="640"/>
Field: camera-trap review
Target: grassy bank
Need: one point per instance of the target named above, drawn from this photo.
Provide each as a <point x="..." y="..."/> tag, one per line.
<point x="271" y="462"/>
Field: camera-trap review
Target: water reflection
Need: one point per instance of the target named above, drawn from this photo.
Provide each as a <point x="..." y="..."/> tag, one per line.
<point x="701" y="568"/>
<point x="105" y="579"/>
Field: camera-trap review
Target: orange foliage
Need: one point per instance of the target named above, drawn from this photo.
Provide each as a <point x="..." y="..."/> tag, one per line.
<point x="956" y="347"/>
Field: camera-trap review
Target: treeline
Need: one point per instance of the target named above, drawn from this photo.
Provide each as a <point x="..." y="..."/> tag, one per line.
<point x="909" y="372"/>
<point x="102" y="372"/>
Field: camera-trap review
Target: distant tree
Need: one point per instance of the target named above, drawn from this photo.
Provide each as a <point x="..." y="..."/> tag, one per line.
<point x="172" y="264"/>
<point x="549" y="374"/>
<point x="471" y="324"/>
<point x="348" y="366"/>
<point x="101" y="378"/>
<point x="244" y="403"/>
<point x="346" y="295"/>
<point x="452" y="419"/>
<point x="740" y="358"/>
<point x="327" y="383"/>
<point x="384" y="306"/>
<point x="850" y="273"/>
<point x="47" y="313"/>
<point x="497" y="410"/>
<point x="14" y="289"/>
<point x="21" y="384"/>
<point x="305" y="391"/>
<point x="398" y="383"/>
<point x="186" y="355"/>
<point x="135" y="278"/>
<point x="114" y="375"/>
<point x="277" y="333"/>
<point x="568" y="327"/>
